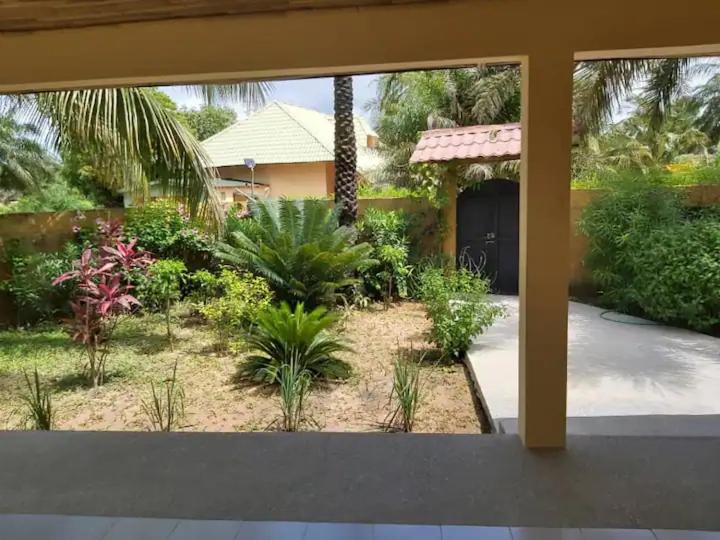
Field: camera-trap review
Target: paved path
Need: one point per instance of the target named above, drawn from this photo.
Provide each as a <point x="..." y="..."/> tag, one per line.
<point x="614" y="368"/>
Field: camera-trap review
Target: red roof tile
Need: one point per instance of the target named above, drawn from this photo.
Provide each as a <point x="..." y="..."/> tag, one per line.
<point x="481" y="143"/>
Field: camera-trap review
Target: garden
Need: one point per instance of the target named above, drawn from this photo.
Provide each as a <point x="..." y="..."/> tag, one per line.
<point x="284" y="321"/>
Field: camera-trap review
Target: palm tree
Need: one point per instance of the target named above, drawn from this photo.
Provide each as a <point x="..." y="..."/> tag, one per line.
<point x="345" y="152"/>
<point x="602" y="86"/>
<point x="24" y="163"/>
<point x="708" y="97"/>
<point x="132" y="139"/>
<point x="411" y="102"/>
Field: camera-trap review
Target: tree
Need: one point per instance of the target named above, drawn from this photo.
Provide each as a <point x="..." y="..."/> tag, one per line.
<point x="708" y="99"/>
<point x="207" y="120"/>
<point x="133" y="139"/>
<point x="24" y="163"/>
<point x="345" y="152"/>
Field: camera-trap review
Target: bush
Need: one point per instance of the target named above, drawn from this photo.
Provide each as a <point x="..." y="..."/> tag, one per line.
<point x="675" y="273"/>
<point x="204" y="286"/>
<point x="386" y="231"/>
<point x="243" y="297"/>
<point x="161" y="289"/>
<point x="457" y="304"/>
<point x="30" y="284"/>
<point x="300" y="250"/>
<point x="296" y="338"/>
<point x="163" y="229"/>
<point x="613" y="223"/>
<point x="651" y="257"/>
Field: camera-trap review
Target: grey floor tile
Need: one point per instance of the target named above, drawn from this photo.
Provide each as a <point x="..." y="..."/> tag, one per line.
<point x="407" y="532"/>
<point x="542" y="533"/>
<point x="29" y="527"/>
<point x="338" y="531"/>
<point x="206" y="530"/>
<point x="460" y="532"/>
<point x="271" y="530"/>
<point x="617" y="534"/>
<point x="670" y="534"/>
<point x="141" y="529"/>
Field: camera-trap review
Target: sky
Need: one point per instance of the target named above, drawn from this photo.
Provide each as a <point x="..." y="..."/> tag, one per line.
<point x="310" y="93"/>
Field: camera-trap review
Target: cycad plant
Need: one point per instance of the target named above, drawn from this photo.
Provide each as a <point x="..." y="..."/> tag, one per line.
<point x="293" y="337"/>
<point x="299" y="248"/>
<point x="40" y="412"/>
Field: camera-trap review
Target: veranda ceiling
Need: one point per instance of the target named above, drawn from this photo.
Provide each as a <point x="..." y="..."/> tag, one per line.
<point x="28" y="15"/>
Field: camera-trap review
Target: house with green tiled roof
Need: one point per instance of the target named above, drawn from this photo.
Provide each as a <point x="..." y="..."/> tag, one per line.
<point x="292" y="148"/>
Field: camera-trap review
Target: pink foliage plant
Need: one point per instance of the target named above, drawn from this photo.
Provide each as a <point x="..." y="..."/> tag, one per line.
<point x="103" y="295"/>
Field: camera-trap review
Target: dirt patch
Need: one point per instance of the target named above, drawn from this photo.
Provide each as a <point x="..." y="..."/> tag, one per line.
<point x="215" y="402"/>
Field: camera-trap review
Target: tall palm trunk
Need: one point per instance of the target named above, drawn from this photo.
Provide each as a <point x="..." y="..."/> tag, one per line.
<point x="345" y="152"/>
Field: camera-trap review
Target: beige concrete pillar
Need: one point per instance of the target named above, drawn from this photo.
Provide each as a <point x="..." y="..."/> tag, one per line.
<point x="449" y="245"/>
<point x="544" y="246"/>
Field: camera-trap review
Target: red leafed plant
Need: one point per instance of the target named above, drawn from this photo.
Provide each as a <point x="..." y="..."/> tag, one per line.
<point x="103" y="295"/>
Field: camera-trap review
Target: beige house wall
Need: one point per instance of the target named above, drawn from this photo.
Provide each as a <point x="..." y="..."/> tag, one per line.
<point x="285" y="179"/>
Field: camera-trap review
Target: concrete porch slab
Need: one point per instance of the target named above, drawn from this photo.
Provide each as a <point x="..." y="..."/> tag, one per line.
<point x="630" y="368"/>
<point x="489" y="480"/>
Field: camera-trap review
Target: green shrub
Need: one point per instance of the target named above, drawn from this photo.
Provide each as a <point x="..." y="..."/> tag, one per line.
<point x="614" y="222"/>
<point x="204" y="286"/>
<point x="242" y="298"/>
<point x="650" y="256"/>
<point x="30" y="284"/>
<point x="386" y="231"/>
<point x="457" y="304"/>
<point x="676" y="273"/>
<point x="300" y="250"/>
<point x="165" y="231"/>
<point x="286" y="337"/>
<point x="161" y="288"/>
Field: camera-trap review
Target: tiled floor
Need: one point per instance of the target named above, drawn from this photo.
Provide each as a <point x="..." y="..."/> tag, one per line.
<point x="34" y="527"/>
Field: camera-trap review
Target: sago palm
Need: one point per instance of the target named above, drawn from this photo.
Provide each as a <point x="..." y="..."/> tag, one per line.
<point x="345" y="152"/>
<point x="285" y="337"/>
<point x="299" y="248"/>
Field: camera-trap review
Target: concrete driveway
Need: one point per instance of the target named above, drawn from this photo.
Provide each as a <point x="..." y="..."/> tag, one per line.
<point x="627" y="368"/>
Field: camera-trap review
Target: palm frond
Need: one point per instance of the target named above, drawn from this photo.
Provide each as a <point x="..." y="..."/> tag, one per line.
<point x="133" y="140"/>
<point x="252" y="94"/>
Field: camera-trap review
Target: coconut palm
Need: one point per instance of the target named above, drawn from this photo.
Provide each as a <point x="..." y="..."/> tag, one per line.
<point x="345" y="152"/>
<point x="24" y="163"/>
<point x="132" y="139"/>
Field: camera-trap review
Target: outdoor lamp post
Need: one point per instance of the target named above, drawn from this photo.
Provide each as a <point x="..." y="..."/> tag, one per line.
<point x="250" y="163"/>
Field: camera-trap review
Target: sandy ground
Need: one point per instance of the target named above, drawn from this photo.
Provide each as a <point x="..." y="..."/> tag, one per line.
<point x="214" y="401"/>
